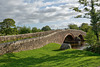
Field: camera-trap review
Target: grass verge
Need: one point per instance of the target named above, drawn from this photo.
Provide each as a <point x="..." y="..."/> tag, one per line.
<point x="50" y="56"/>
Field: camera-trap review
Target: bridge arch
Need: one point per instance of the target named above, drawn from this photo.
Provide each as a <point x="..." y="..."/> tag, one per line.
<point x="81" y="37"/>
<point x="69" y="37"/>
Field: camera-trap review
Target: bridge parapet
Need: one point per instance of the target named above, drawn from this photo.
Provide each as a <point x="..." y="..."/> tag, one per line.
<point x="23" y="36"/>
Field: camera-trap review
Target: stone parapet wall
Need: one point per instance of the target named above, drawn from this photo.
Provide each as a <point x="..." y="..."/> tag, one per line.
<point x="22" y="36"/>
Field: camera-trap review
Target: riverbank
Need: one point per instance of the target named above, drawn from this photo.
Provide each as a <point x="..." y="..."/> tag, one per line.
<point x="50" y="56"/>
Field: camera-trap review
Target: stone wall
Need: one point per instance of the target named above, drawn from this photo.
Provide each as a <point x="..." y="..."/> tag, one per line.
<point x="22" y="36"/>
<point x="34" y="43"/>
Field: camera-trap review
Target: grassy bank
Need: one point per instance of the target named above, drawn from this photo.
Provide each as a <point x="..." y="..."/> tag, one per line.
<point x="50" y="56"/>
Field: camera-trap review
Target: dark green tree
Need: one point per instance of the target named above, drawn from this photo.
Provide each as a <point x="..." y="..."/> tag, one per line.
<point x="8" y="27"/>
<point x="10" y="31"/>
<point x="34" y="29"/>
<point x="39" y="30"/>
<point x="46" y="28"/>
<point x="85" y="27"/>
<point x="24" y="29"/>
<point x="0" y="25"/>
<point x="0" y="28"/>
<point x="91" y="38"/>
<point x="90" y="12"/>
<point x="73" y="26"/>
<point x="95" y="19"/>
<point x="8" y="23"/>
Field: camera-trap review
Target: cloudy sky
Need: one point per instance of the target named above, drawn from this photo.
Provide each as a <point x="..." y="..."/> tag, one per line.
<point x="39" y="13"/>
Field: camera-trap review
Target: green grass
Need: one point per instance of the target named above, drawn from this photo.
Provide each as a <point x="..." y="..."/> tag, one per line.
<point x="50" y="56"/>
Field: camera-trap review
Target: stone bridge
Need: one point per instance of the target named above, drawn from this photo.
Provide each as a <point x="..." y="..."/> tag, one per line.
<point x="39" y="40"/>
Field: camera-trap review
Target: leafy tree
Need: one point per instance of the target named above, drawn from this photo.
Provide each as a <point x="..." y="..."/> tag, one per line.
<point x="76" y="9"/>
<point x="94" y="20"/>
<point x="8" y="23"/>
<point x="10" y="31"/>
<point x="0" y="27"/>
<point x="91" y="12"/>
<point x="8" y="27"/>
<point x="85" y="27"/>
<point x="73" y="26"/>
<point x="39" y="30"/>
<point x="46" y="28"/>
<point x="90" y="38"/>
<point x="99" y="27"/>
<point x="24" y="29"/>
<point x="34" y="29"/>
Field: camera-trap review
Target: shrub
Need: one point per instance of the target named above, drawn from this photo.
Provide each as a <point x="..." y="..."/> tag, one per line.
<point x="94" y="48"/>
<point x="91" y="38"/>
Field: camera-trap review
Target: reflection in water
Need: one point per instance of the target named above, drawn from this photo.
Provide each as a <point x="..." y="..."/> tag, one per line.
<point x="78" y="45"/>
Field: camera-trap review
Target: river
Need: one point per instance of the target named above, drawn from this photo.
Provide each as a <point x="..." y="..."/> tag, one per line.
<point x="80" y="45"/>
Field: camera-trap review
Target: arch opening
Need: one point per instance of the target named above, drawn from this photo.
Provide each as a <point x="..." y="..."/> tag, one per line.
<point x="81" y="38"/>
<point x="76" y="42"/>
<point x="68" y="38"/>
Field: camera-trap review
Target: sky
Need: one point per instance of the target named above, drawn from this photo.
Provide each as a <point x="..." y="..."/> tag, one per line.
<point x="38" y="13"/>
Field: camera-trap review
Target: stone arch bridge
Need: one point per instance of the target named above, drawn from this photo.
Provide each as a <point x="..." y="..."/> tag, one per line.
<point x="39" y="40"/>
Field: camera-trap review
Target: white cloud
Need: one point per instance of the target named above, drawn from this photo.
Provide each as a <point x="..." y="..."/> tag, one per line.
<point x="38" y="11"/>
<point x="65" y="24"/>
<point x="26" y="12"/>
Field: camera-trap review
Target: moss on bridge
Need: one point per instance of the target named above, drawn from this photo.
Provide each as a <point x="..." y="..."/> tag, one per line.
<point x="50" y="56"/>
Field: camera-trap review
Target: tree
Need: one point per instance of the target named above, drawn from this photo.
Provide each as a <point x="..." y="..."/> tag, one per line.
<point x="8" y="27"/>
<point x="94" y="20"/>
<point x="34" y="29"/>
<point x="85" y="27"/>
<point x="10" y="31"/>
<point x="90" y="38"/>
<point x="8" y="23"/>
<point x="24" y="29"/>
<point x="0" y="27"/>
<point x="99" y="27"/>
<point x="39" y="30"/>
<point x="73" y="26"/>
<point x="91" y="12"/>
<point x="46" y="28"/>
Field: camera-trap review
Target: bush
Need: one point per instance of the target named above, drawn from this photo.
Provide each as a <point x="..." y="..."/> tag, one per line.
<point x="95" y="49"/>
<point x="92" y="41"/>
<point x="91" y="38"/>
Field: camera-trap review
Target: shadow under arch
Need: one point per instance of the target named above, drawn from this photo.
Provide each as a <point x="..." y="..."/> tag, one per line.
<point x="81" y="37"/>
<point x="68" y="38"/>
